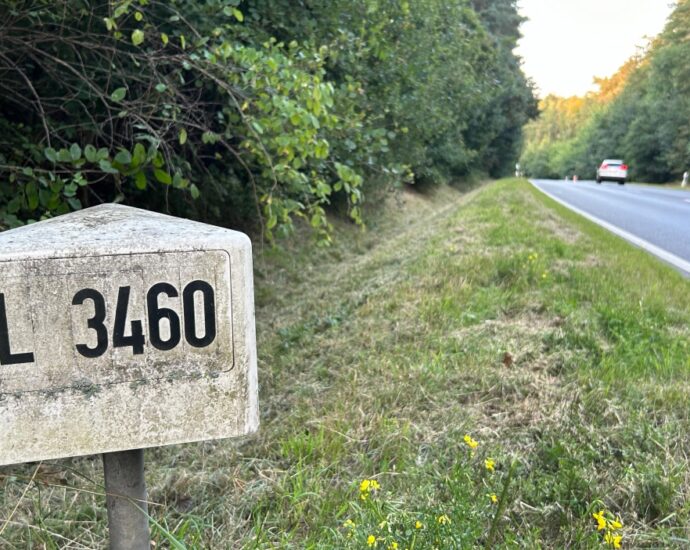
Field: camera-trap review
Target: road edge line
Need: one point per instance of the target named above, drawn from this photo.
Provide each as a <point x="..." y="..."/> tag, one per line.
<point x="668" y="257"/>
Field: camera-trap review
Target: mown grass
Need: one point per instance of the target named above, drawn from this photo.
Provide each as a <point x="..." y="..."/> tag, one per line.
<point x="560" y="349"/>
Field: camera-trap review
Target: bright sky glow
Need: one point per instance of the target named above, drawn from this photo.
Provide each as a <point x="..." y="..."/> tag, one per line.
<point x="566" y="43"/>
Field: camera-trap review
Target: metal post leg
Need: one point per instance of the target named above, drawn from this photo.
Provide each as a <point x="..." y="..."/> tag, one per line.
<point x="125" y="486"/>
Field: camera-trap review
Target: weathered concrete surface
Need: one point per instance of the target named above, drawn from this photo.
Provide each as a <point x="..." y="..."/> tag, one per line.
<point x="71" y="387"/>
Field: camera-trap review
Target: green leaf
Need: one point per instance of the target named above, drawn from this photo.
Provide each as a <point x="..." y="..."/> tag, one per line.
<point x="140" y="180"/>
<point x="121" y="9"/>
<point x="75" y="152"/>
<point x="70" y="190"/>
<point x="64" y="155"/>
<point x="183" y="136"/>
<point x="118" y="94"/>
<point x="139" y="156"/>
<point x="74" y="203"/>
<point x="103" y="153"/>
<point x="238" y="14"/>
<point x="79" y="179"/>
<point x="164" y="39"/>
<point x="90" y="153"/>
<point x="321" y="150"/>
<point x="14" y="205"/>
<point x="194" y="191"/>
<point x="137" y="37"/>
<point x="209" y="137"/>
<point x="123" y="157"/>
<point x="50" y="154"/>
<point x="106" y="167"/>
<point x="48" y="200"/>
<point x="31" y="192"/>
<point x="160" y="87"/>
<point x="138" y="15"/>
<point x="162" y="176"/>
<point x="57" y="185"/>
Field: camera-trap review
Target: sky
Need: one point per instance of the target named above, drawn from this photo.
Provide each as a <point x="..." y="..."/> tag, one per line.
<point x="566" y="43"/>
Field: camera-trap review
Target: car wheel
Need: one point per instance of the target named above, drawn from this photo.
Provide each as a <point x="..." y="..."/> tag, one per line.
<point x="598" y="180"/>
<point x="621" y="182"/>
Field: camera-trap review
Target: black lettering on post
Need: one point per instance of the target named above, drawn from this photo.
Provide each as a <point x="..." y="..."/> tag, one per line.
<point x="95" y="323"/>
<point x="6" y="355"/>
<point x="136" y="340"/>
<point x="190" y="317"/>
<point x="157" y="314"/>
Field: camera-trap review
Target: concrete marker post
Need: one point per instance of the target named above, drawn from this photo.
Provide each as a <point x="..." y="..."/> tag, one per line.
<point x="125" y="488"/>
<point x="120" y="330"/>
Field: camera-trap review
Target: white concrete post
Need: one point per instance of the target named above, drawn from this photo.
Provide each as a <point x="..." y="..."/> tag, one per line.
<point x="122" y="329"/>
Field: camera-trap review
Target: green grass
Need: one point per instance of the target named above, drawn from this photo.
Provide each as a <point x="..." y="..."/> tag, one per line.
<point x="561" y="349"/>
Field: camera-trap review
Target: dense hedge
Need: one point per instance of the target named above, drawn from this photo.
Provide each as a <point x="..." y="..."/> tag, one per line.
<point x="250" y="112"/>
<point x="641" y="115"/>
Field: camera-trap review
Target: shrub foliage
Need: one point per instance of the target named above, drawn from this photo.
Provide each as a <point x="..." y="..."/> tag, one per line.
<point x="247" y="113"/>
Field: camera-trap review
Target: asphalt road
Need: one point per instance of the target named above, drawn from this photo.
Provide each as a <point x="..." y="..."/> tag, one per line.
<point x="657" y="220"/>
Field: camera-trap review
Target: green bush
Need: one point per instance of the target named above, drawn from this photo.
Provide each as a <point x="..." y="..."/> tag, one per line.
<point x="246" y="113"/>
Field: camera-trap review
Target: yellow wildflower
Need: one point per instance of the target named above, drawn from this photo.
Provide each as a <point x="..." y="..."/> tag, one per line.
<point x="443" y="520"/>
<point x="613" y="540"/>
<point x="393" y="546"/>
<point x="615" y="524"/>
<point x="489" y="464"/>
<point x="371" y="540"/>
<point x="601" y="520"/>
<point x="471" y="443"/>
<point x="493" y="498"/>
<point x="366" y="487"/>
<point x="349" y="524"/>
<point x="418" y="524"/>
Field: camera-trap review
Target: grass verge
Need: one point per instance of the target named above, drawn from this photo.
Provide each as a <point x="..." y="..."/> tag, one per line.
<point x="487" y="370"/>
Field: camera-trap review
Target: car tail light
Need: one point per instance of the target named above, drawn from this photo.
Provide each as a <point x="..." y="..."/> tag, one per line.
<point x="604" y="165"/>
<point x="624" y="166"/>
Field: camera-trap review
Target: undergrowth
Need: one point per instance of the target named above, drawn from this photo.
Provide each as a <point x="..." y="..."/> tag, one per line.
<point x="483" y="370"/>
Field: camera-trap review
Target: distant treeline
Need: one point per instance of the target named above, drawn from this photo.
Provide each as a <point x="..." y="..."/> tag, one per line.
<point x="251" y="113"/>
<point x="640" y="115"/>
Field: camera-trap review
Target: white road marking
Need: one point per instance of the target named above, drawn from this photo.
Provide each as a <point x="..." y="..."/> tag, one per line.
<point x="668" y="257"/>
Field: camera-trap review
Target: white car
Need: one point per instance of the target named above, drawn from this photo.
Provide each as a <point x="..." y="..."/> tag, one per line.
<point x="612" y="170"/>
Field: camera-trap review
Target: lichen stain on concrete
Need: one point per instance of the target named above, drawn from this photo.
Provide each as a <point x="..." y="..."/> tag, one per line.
<point x="86" y="387"/>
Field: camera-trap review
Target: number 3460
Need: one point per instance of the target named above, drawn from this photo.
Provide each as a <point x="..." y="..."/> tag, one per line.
<point x="156" y="314"/>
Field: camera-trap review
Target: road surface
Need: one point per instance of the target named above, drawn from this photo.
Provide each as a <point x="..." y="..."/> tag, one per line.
<point x="657" y="220"/>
